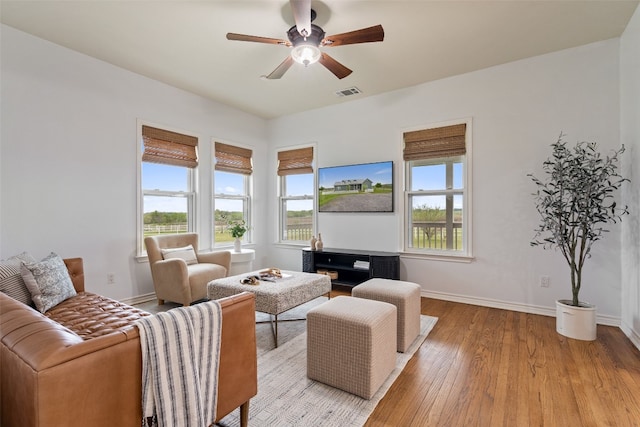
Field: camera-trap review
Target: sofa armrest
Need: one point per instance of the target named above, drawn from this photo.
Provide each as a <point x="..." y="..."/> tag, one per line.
<point x="222" y="258"/>
<point x="47" y="370"/>
<point x="175" y="267"/>
<point x="49" y="376"/>
<point x="171" y="280"/>
<point x="75" y="267"/>
<point x="238" y="372"/>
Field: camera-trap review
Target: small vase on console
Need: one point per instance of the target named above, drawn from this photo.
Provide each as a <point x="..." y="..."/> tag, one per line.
<point x="319" y="244"/>
<point x="313" y="243"/>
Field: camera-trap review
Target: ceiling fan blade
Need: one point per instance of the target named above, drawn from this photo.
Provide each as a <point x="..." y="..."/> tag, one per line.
<point x="364" y="35"/>
<point x="247" y="38"/>
<point x="302" y="15"/>
<point x="334" y="66"/>
<point x="281" y="69"/>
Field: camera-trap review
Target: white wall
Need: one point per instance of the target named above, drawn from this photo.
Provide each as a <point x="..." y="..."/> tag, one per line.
<point x="68" y="169"/>
<point x="518" y="110"/>
<point x="68" y="156"/>
<point x="630" y="136"/>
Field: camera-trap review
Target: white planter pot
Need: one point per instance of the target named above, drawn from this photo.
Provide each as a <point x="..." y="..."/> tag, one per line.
<point x="237" y="245"/>
<point x="576" y="322"/>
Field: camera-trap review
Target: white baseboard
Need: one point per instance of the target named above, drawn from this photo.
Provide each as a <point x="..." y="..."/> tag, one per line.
<point x="631" y="334"/>
<point x="139" y="299"/>
<point x="505" y="305"/>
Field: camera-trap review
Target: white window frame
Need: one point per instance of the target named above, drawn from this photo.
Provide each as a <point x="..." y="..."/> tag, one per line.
<point x="282" y="199"/>
<point x="466" y="254"/>
<point x="191" y="195"/>
<point x="247" y="199"/>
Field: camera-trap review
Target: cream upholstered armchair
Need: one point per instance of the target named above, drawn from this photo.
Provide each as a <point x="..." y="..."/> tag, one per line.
<point x="180" y="274"/>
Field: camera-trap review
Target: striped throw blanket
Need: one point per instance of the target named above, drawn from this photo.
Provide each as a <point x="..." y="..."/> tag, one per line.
<point x="180" y="357"/>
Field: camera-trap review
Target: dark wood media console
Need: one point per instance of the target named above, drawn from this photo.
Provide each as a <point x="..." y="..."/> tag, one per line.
<point x="353" y="266"/>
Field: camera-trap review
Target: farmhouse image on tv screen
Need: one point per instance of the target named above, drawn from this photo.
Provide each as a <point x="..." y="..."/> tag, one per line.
<point x="366" y="187"/>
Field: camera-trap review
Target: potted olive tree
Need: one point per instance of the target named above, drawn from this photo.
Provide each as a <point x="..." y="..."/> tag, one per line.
<point x="576" y="202"/>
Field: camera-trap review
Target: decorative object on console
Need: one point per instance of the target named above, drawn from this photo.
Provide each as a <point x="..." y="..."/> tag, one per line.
<point x="366" y="187"/>
<point x="319" y="243"/>
<point x="333" y="275"/>
<point x="313" y="243"/>
<point x="360" y="264"/>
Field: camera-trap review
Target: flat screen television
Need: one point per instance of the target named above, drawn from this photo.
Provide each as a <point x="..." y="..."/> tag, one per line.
<point x="365" y="187"/>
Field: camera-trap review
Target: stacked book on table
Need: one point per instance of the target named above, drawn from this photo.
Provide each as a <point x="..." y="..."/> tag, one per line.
<point x="361" y="265"/>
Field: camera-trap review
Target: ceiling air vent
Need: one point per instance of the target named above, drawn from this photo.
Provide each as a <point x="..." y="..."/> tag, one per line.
<point x="348" y="92"/>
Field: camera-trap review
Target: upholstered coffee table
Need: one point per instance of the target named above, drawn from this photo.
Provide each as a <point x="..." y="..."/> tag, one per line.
<point x="293" y="289"/>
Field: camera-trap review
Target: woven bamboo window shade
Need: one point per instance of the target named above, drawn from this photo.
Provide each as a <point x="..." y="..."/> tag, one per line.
<point x="230" y="158"/>
<point x="169" y="148"/>
<point x="295" y="162"/>
<point x="435" y="143"/>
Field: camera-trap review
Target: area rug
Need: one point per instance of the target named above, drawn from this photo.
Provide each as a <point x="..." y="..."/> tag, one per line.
<point x="287" y="398"/>
<point x="290" y="324"/>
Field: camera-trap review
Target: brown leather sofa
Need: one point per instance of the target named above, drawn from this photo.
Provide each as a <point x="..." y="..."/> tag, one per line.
<point x="80" y="363"/>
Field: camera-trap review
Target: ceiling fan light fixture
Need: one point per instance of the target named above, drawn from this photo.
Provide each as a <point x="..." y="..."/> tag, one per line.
<point x="306" y="47"/>
<point x="306" y="54"/>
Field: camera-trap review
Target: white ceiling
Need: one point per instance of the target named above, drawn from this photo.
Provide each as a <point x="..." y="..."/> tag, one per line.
<point x="183" y="44"/>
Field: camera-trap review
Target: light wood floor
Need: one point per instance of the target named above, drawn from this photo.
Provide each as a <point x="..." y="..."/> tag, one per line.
<point x="488" y="367"/>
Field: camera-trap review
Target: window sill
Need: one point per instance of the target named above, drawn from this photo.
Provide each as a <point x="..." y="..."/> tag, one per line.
<point x="296" y="246"/>
<point x="228" y="248"/>
<point x="141" y="259"/>
<point x="437" y="257"/>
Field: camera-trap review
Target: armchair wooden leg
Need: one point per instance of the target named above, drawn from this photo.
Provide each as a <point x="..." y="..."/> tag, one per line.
<point x="160" y="301"/>
<point x="244" y="414"/>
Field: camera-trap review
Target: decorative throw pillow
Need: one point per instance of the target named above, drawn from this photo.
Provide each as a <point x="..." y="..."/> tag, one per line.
<point x="11" y="282"/>
<point x="48" y="282"/>
<point x="188" y="254"/>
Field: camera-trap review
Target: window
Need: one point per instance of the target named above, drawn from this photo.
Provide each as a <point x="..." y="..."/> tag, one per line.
<point x="297" y="200"/>
<point x="436" y="191"/>
<point x="232" y="191"/>
<point x="167" y="182"/>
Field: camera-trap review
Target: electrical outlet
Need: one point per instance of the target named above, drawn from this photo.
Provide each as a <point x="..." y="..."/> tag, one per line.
<point x="111" y="278"/>
<point x="544" y="281"/>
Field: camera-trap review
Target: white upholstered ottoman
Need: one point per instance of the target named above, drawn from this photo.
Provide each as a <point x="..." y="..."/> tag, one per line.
<point x="351" y="344"/>
<point x="405" y="296"/>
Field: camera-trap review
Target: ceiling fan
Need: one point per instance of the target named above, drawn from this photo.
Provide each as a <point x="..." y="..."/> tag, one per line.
<point x="305" y="39"/>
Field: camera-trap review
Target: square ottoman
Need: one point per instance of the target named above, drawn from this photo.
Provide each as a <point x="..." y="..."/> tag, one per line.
<point x="351" y="344"/>
<point x="405" y="296"/>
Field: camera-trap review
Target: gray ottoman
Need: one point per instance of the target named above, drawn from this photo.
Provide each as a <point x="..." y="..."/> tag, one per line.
<point x="351" y="344"/>
<point x="405" y="296"/>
